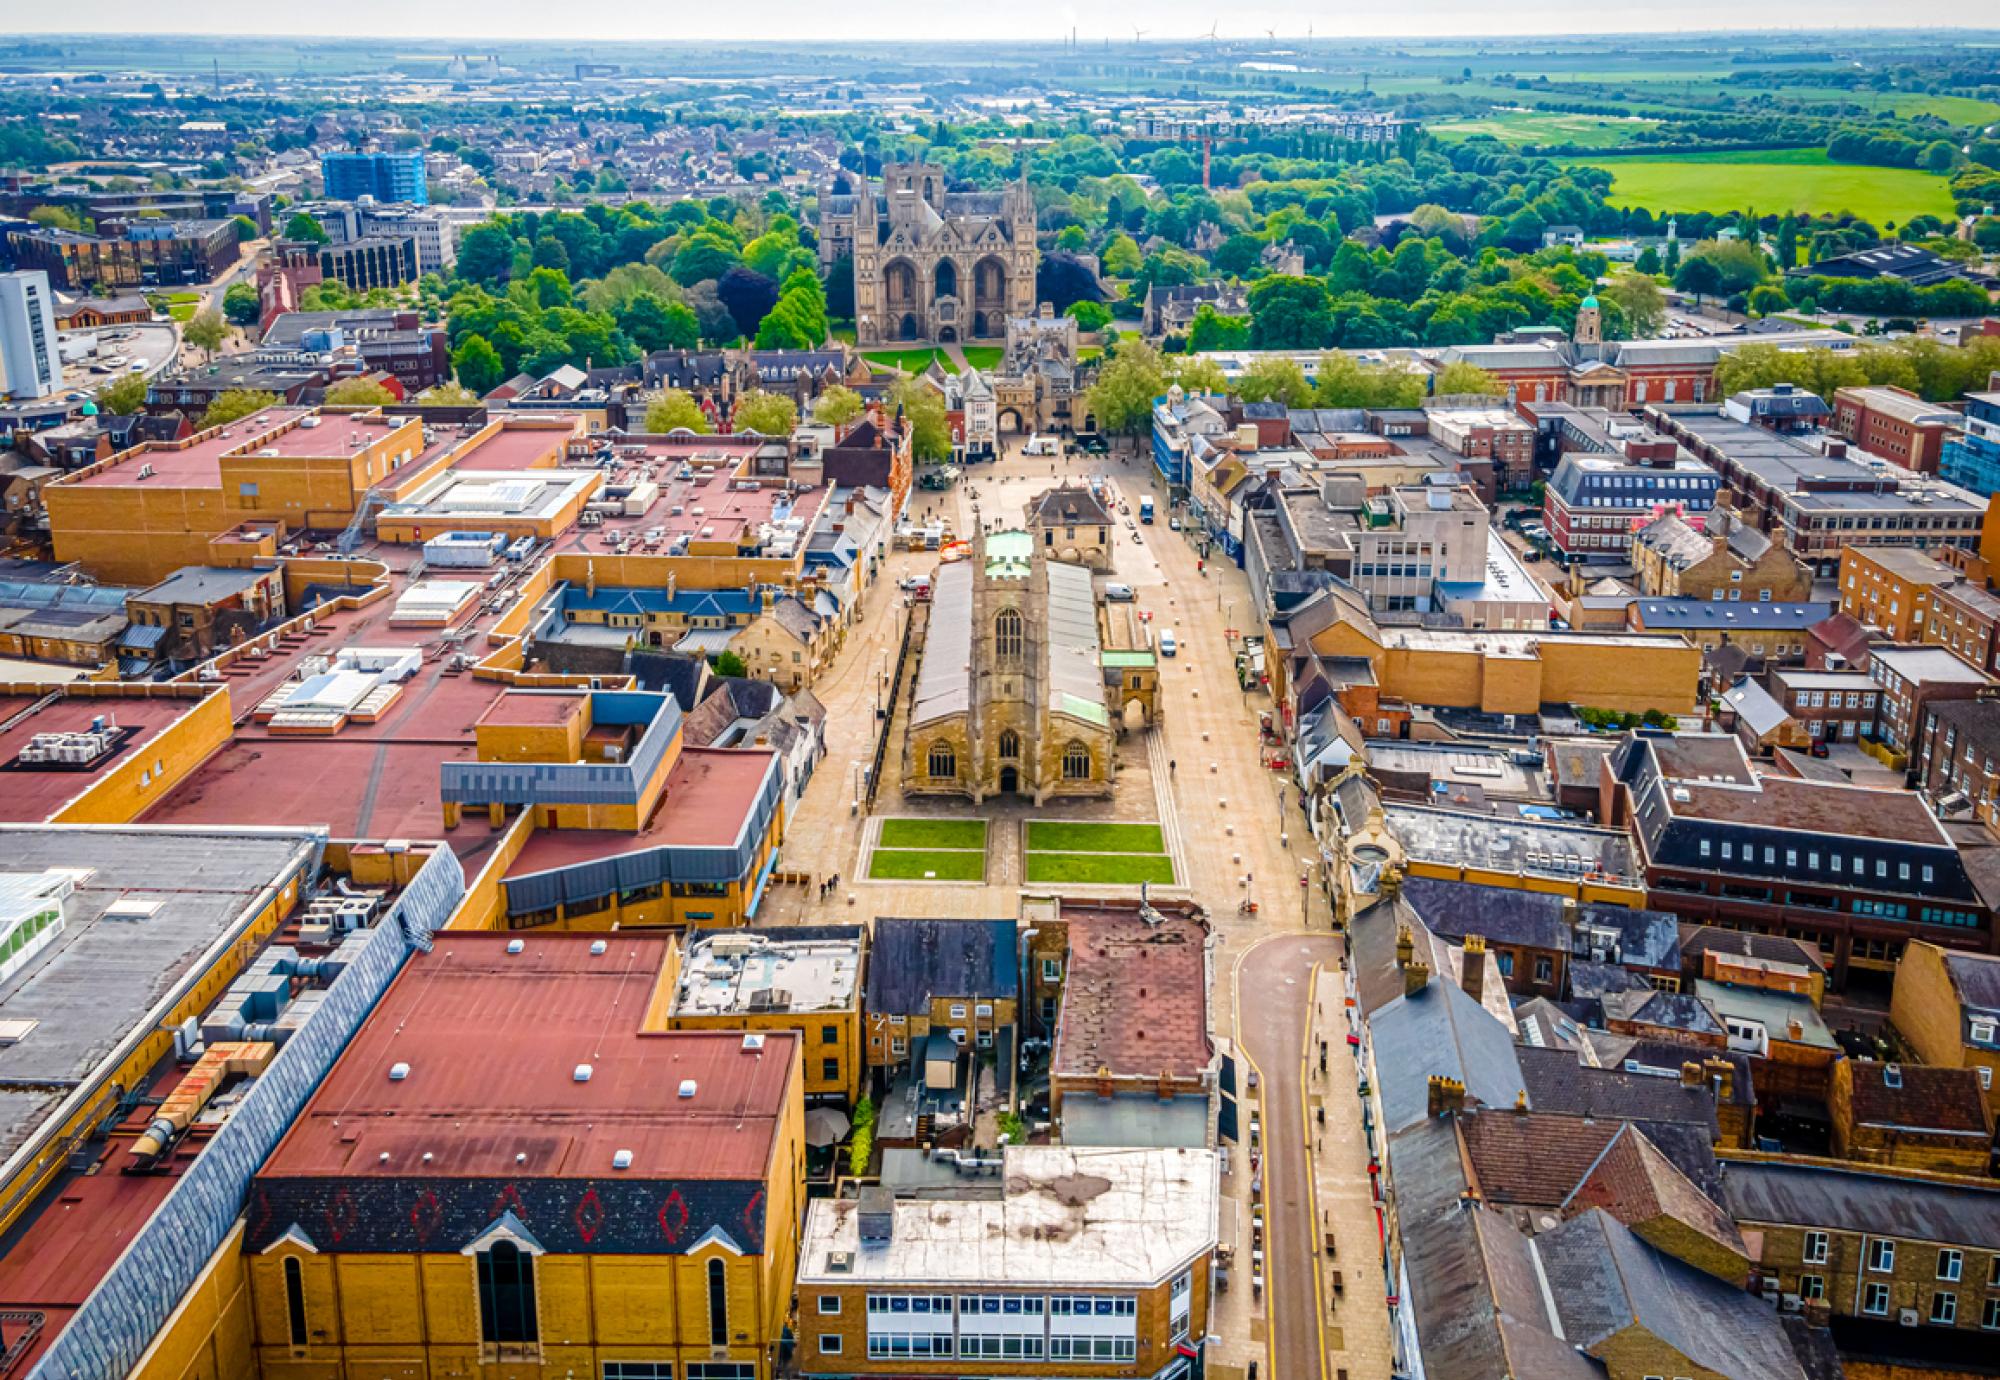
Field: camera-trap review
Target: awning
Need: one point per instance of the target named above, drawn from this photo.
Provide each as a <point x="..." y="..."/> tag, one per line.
<point x="705" y="641"/>
<point x="139" y="636"/>
<point x="825" y="1126"/>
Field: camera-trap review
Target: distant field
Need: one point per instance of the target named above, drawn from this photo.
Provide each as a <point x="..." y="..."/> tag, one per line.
<point x="1774" y="181"/>
<point x="1957" y="110"/>
<point x="1537" y="127"/>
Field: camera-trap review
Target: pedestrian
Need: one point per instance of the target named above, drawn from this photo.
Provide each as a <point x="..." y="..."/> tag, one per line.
<point x="1171" y="764"/>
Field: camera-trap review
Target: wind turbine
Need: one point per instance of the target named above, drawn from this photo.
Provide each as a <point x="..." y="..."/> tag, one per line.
<point x="1138" y="34"/>
<point x="1212" y="37"/>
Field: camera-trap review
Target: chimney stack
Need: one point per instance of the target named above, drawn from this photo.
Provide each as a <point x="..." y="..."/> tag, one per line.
<point x="1723" y="1073"/>
<point x="1472" y="970"/>
<point x="1416" y="976"/>
<point x="1572" y="912"/>
<point x="1446" y="1095"/>
<point x="1690" y="1075"/>
<point x="1406" y="946"/>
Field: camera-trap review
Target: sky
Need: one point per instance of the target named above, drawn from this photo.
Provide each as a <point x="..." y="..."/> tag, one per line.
<point x="779" y="20"/>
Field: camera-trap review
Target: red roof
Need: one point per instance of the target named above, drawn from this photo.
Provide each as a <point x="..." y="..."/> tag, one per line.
<point x="29" y="795"/>
<point x="493" y="1041"/>
<point x="533" y="708"/>
<point x="197" y="465"/>
<point x="710" y="792"/>
<point x="1135" y="996"/>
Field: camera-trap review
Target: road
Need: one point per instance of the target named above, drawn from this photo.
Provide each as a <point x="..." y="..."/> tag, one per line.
<point x="1246" y="843"/>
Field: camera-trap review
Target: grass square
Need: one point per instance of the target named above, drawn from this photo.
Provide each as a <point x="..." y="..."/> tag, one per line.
<point x="1085" y="836"/>
<point x="1101" y="869"/>
<point x="910" y="865"/>
<point x="933" y="833"/>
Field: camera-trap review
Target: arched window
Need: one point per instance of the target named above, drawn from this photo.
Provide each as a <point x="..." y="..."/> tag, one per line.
<point x="1010" y="744"/>
<point x="1007" y="634"/>
<point x="1076" y="762"/>
<point x="507" y="1294"/>
<point x="295" y="1299"/>
<point x="943" y="762"/>
<point x="718" y="1304"/>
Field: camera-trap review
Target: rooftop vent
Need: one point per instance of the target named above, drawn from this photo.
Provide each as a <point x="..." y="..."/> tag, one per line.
<point x="598" y="946"/>
<point x="580" y="1074"/>
<point x="840" y="1262"/>
<point x="687" y="1087"/>
<point x="876" y="1219"/>
<point x="753" y="1042"/>
<point x="398" y="1072"/>
<point x="621" y="1159"/>
<point x="515" y="946"/>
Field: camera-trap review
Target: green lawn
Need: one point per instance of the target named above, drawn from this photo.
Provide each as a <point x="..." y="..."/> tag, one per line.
<point x="1100" y="869"/>
<point x="983" y="356"/>
<point x="910" y="865"/>
<point x="1076" y="836"/>
<point x="181" y="311"/>
<point x="1775" y="180"/>
<point x="1540" y="127"/>
<point x="933" y="833"/>
<point x="1956" y="110"/>
<point x="910" y="361"/>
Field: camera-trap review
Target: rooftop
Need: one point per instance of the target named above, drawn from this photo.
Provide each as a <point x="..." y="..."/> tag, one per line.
<point x="196" y="464"/>
<point x="1510" y="845"/>
<point x="809" y="970"/>
<point x="1927" y="665"/>
<point x="1854" y="1198"/>
<point x="1775" y="1011"/>
<point x="1135" y="997"/>
<point x="914" y="960"/>
<point x="30" y="793"/>
<point x="491" y="1043"/>
<point x="1091" y="1218"/>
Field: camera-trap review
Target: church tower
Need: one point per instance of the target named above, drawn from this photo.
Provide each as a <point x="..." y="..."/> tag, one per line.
<point x="1589" y="323"/>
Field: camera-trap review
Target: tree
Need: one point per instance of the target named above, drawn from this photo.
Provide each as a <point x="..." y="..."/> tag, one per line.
<point x="923" y="409"/>
<point x="1127" y="384"/>
<point x="478" y="365"/>
<point x="676" y="410"/>
<point x="1640" y="299"/>
<point x="237" y="403"/>
<point x="1765" y="299"/>
<point x="122" y="396"/>
<point x="206" y="332"/>
<point x="1290" y="314"/>
<point x="1460" y="377"/>
<point x="1699" y="276"/>
<point x="1275" y="378"/>
<point x="1121" y="257"/>
<point x="837" y="406"/>
<point x="1648" y="262"/>
<point x="1210" y="330"/>
<point x="448" y="394"/>
<point x="486" y="253"/>
<point x="240" y="304"/>
<point x="748" y="296"/>
<point x="246" y="229"/>
<point x="702" y="256"/>
<point x="728" y="664"/>
<point x="304" y="227"/>
<point x="358" y="392"/>
<point x="57" y="218"/>
<point x="1090" y="316"/>
<point x="653" y="324"/>
<point x="768" y="414"/>
<point x="1739" y="265"/>
<point x="1342" y="381"/>
<point x="1197" y="375"/>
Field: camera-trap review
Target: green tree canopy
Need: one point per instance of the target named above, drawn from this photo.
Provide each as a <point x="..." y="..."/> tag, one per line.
<point x="769" y="414"/>
<point x="1275" y="378"/>
<point x="837" y="406"/>
<point x="122" y="396"/>
<point x="477" y="364"/>
<point x="930" y="426"/>
<point x="240" y="304"/>
<point x="304" y="226"/>
<point x="237" y="403"/>
<point x="448" y="394"/>
<point x="1460" y="377"/>
<point x="206" y="331"/>
<point x="1089" y="316"/>
<point x="358" y="392"/>
<point x="676" y="410"/>
<point x="1640" y="299"/>
<point x="1122" y="397"/>
<point x="1342" y="381"/>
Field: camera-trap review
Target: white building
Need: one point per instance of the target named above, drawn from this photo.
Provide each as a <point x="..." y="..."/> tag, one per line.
<point x="30" y="365"/>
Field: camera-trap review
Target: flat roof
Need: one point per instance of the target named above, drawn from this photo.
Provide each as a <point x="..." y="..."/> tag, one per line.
<point x="728" y="973"/>
<point x="1509" y="844"/>
<point x="517" y="447"/>
<point x="1774" y="1010"/>
<point x="1816" y="807"/>
<point x="493" y="1042"/>
<point x="1909" y="563"/>
<point x="1084" y="1217"/>
<point x="477" y="495"/>
<point x="1932" y="665"/>
<point x="30" y="794"/>
<point x="336" y="435"/>
<point x="703" y="498"/>
<point x="100" y="979"/>
<point x="710" y="793"/>
<point x="197" y="464"/>
<point x="1135" y="997"/>
<point x="534" y="708"/>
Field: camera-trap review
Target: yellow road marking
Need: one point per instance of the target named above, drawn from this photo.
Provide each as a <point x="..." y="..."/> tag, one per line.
<point x="1312" y="1172"/>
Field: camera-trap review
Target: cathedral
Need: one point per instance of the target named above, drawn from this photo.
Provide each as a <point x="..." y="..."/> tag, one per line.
<point x="1010" y="697"/>
<point x="931" y="265"/>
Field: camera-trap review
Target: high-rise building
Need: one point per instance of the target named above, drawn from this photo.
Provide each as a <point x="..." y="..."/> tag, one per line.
<point x="30" y="366"/>
<point x="384" y="176"/>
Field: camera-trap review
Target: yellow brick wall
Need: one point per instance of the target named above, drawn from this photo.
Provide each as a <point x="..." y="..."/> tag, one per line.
<point x="156" y="765"/>
<point x="209" y="1334"/>
<point x="1926" y="1013"/>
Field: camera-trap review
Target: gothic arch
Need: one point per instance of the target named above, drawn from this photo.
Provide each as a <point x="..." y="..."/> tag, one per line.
<point x="944" y="278"/>
<point x="900" y="286"/>
<point x="1009" y="634"/>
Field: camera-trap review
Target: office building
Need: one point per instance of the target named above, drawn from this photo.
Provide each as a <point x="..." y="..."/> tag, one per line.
<point x="1971" y="459"/>
<point x="29" y="364"/>
<point x="379" y="261"/>
<point x="384" y="176"/>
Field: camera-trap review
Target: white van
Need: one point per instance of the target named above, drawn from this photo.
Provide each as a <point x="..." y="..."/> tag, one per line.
<point x="1167" y="644"/>
<point x="1042" y="445"/>
<point x="1116" y="593"/>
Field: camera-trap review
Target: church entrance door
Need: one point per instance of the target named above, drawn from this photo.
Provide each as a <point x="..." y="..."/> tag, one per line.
<point x="1010" y="780"/>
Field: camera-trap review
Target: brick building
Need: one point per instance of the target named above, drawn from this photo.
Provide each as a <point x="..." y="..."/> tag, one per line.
<point x="1891" y="588"/>
<point x="1911" y="678"/>
<point x="1895" y="424"/>
<point x="1910" y="1116"/>
<point x="1946" y="1006"/>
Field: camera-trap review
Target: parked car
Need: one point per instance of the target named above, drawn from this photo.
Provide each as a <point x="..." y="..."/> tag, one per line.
<point x="1118" y="594"/>
<point x="1167" y="644"/>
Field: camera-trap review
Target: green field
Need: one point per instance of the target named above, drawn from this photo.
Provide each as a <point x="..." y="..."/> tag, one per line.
<point x="910" y="865"/>
<point x="1076" y="836"/>
<point x="1538" y="127"/>
<point x="1100" y="869"/>
<point x="1772" y="181"/>
<point x="933" y="833"/>
<point x="1955" y="110"/>
<point x="982" y="356"/>
<point x="910" y="361"/>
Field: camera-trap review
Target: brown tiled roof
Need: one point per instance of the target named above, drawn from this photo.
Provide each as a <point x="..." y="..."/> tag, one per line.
<point x="1634" y="1182"/>
<point x="1771" y="948"/>
<point x="1135" y="998"/>
<point x="1929" y="1098"/>
<point x="1533" y="1159"/>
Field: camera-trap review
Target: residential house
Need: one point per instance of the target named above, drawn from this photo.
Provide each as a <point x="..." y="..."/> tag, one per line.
<point x="1946" y="1007"/>
<point x="1891" y="588"/>
<point x="1910" y="1116"/>
<point x="1831" y="705"/>
<point x="938" y="992"/>
<point x="200" y="610"/>
<point x="1724" y="560"/>
<point x="1911" y="678"/>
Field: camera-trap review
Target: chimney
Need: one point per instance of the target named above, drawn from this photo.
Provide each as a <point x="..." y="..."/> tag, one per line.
<point x="1724" y="1075"/>
<point x="1406" y="946"/>
<point x="1690" y="1075"/>
<point x="1521" y="1100"/>
<point x="875" y="1216"/>
<point x="1472" y="970"/>
<point x="1795" y="1029"/>
<point x="1572" y="913"/>
<point x="1446" y="1095"/>
<point x="1416" y="976"/>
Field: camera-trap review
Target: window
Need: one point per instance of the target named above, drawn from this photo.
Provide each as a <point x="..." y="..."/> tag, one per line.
<point x="1007" y="633"/>
<point x="943" y="763"/>
<point x="1815" y="1248"/>
<point x="718" y="1304"/>
<point x="1051" y="970"/>
<point x="638" y="1370"/>
<point x="829" y="1344"/>
<point x="1989" y="1317"/>
<point x="1881" y="1257"/>
<point x="1812" y="1286"/>
<point x="1010" y="744"/>
<point x="1076" y="762"/>
<point x="1545" y="969"/>
<point x="1944" y="1308"/>
<point x="1982" y="1031"/>
<point x="506" y="1294"/>
<point x="1876" y="1300"/>
<point x="829" y="1070"/>
<point x="721" y="1370"/>
<point x="1951" y="1265"/>
<point x="958" y="1010"/>
<point x="295" y="1299"/>
<point x="829" y="1305"/>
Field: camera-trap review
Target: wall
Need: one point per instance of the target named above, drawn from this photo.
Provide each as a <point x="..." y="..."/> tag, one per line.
<point x="208" y="1337"/>
<point x="1926" y="1013"/>
<point x="156" y="764"/>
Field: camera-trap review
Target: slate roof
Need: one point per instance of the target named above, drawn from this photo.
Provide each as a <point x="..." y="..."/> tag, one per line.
<point x="1504" y="915"/>
<point x="1881" y="1203"/>
<point x="1921" y="1097"/>
<point x="1635" y="1181"/>
<point x="1068" y="504"/>
<point x="1697" y="940"/>
<point x="1605" y="1280"/>
<point x="1976" y="978"/>
<point x="912" y="960"/>
<point x="1558" y="1082"/>
<point x="671" y="673"/>
<point x="1756" y="707"/>
<point x="1670" y="1010"/>
<point x="1440" y="1030"/>
<point x="1675" y="541"/>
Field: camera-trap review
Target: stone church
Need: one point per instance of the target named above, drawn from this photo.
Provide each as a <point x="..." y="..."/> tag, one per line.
<point x="931" y="265"/>
<point x="1010" y="697"/>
